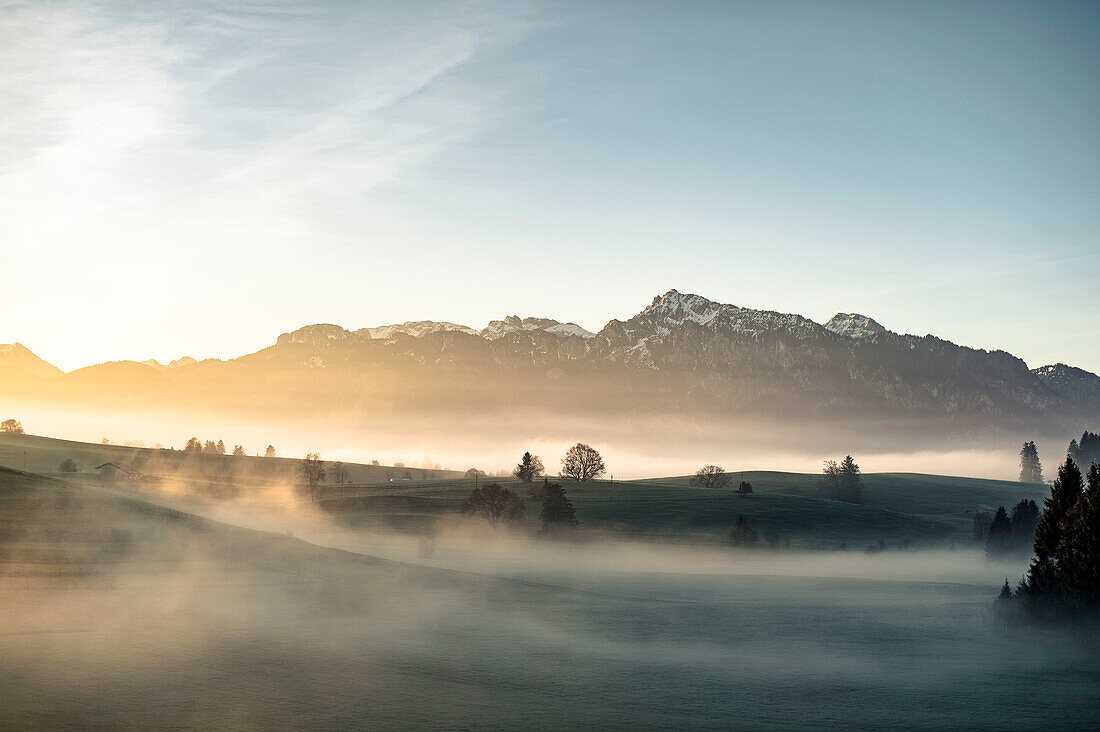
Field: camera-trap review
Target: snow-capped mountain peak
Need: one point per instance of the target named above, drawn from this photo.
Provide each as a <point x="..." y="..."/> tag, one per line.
<point x="675" y="308"/>
<point x="513" y="324"/>
<point x="415" y="329"/>
<point x="853" y="325"/>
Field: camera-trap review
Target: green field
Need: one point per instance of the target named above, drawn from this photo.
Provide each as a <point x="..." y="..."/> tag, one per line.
<point x="900" y="509"/>
<point x="122" y="613"/>
<point x="43" y="455"/>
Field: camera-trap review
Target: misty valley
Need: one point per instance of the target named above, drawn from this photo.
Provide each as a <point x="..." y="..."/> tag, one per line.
<point x="550" y="365"/>
<point x="163" y="588"/>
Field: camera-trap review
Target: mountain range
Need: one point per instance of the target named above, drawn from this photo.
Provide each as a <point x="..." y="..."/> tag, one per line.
<point x="682" y="355"/>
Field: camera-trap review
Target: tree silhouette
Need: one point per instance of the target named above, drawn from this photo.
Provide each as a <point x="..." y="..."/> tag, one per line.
<point x="999" y="541"/>
<point x="1087" y="451"/>
<point x="711" y="476"/>
<point x="238" y="450"/>
<point x="1063" y="580"/>
<point x="12" y="426"/>
<point x="557" y="512"/>
<point x="493" y="503"/>
<point x="312" y="470"/>
<point x="529" y="468"/>
<point x="851" y="484"/>
<point x="582" y="463"/>
<point x="1031" y="469"/>
<point x="193" y="445"/>
<point x="269" y="452"/>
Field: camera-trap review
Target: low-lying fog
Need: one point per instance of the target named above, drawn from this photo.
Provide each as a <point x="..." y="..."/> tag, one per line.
<point x="640" y="450"/>
<point x="167" y="622"/>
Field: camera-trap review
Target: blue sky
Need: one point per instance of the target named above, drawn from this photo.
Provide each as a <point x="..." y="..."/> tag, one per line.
<point x="195" y="178"/>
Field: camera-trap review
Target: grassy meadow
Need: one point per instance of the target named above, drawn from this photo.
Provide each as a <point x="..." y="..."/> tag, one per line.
<point x="120" y="612"/>
<point x="900" y="510"/>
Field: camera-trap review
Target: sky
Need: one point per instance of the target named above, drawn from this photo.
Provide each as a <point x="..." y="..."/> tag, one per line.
<point x="190" y="178"/>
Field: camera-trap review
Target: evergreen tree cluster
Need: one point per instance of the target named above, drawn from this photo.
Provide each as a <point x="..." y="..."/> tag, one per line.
<point x="1063" y="581"/>
<point x="1031" y="469"/>
<point x="1087" y="451"/>
<point x="843" y="481"/>
<point x="1010" y="534"/>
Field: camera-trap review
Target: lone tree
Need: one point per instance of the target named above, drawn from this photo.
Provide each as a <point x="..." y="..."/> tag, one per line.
<point x="493" y="503"/>
<point x="269" y="452"/>
<point x="1031" y="470"/>
<point x="474" y="474"/>
<point x="12" y="426"/>
<point x="711" y="476"/>
<point x="529" y="468"/>
<point x="741" y="534"/>
<point x="67" y="466"/>
<point x="557" y="512"/>
<point x="851" y="484"/>
<point x="312" y="470"/>
<point x="238" y="450"/>
<point x="582" y="463"/>
<point x="339" y="473"/>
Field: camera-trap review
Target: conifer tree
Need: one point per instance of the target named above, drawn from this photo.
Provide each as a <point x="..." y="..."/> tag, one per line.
<point x="1043" y="586"/>
<point x="851" y="483"/>
<point x="529" y="468"/>
<point x="1080" y="565"/>
<point x="1087" y="451"/>
<point x="1031" y="469"/>
<point x="557" y="510"/>
<point x="999" y="541"/>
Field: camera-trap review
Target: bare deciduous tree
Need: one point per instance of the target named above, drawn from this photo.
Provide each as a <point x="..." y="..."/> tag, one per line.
<point x="312" y="470"/>
<point x="711" y="476"/>
<point x="582" y="463"/>
<point x="493" y="503"/>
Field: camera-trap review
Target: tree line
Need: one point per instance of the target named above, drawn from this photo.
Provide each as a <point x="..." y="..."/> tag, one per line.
<point x="196" y="446"/>
<point x="1062" y="582"/>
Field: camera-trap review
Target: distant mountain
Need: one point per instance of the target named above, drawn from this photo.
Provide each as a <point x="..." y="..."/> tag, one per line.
<point x="1070" y="382"/>
<point x="682" y="356"/>
<point x="16" y="356"/>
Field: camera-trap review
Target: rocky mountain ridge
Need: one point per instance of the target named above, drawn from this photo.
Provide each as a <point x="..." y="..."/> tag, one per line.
<point x="682" y="352"/>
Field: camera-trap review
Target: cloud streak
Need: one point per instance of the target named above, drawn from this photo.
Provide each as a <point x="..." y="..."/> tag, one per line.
<point x="242" y="136"/>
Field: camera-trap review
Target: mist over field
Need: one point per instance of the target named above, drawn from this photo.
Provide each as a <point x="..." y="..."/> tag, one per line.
<point x="154" y="616"/>
<point x="507" y="365"/>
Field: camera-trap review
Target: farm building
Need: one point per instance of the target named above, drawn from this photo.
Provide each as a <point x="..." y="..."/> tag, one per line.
<point x="117" y="471"/>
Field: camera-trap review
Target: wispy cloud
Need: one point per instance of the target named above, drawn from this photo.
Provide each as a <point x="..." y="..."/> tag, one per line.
<point x="229" y="133"/>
